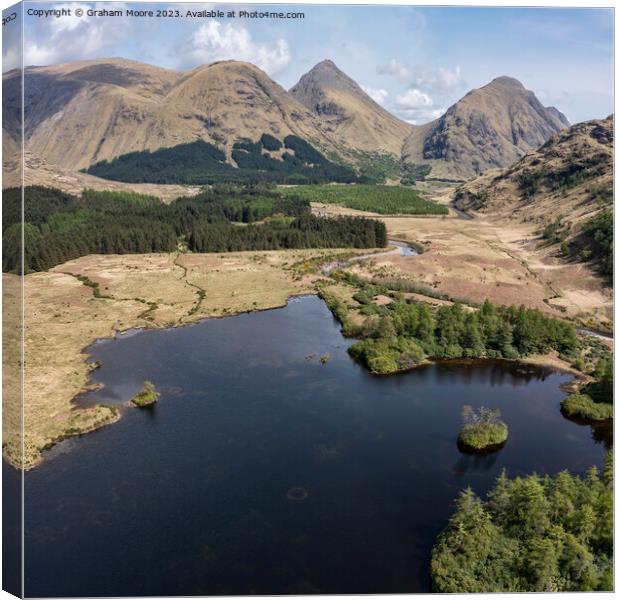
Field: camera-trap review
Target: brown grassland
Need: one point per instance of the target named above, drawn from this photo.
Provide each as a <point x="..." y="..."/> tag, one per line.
<point x="93" y="297"/>
<point x="65" y="314"/>
<point x="472" y="260"/>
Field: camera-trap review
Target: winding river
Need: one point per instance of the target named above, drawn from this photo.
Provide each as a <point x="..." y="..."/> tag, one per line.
<point x="263" y="471"/>
<point x="398" y="249"/>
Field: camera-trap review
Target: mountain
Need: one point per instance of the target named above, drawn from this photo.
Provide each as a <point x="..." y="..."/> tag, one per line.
<point x="83" y="112"/>
<point x="491" y="127"/>
<point x="565" y="187"/>
<point x="349" y="112"/>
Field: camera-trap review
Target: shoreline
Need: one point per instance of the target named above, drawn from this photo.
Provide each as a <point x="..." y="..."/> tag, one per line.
<point x="546" y="361"/>
<point x="118" y="411"/>
<point x="67" y="318"/>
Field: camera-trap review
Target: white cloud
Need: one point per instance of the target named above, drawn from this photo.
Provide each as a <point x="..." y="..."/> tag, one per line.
<point x="11" y="59"/>
<point x="214" y="41"/>
<point x="421" y="116"/>
<point x="74" y="38"/>
<point x="395" y="68"/>
<point x="378" y="95"/>
<point x="438" y="80"/>
<point x="427" y="92"/>
<point x="413" y="98"/>
<point x="416" y="106"/>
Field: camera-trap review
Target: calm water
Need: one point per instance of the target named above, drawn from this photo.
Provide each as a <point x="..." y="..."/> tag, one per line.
<point x="262" y="471"/>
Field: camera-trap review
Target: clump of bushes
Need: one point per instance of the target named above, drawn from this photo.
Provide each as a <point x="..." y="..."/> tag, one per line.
<point x="385" y="353"/>
<point x="594" y="402"/>
<point x="582" y="406"/>
<point x="147" y="396"/>
<point x="482" y="429"/>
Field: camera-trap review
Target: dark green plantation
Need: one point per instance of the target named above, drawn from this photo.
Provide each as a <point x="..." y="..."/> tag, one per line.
<point x="382" y="199"/>
<point x="292" y="161"/>
<point x="60" y="227"/>
<point x="532" y="534"/>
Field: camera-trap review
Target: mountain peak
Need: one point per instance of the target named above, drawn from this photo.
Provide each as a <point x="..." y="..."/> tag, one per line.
<point x="351" y="113"/>
<point x="326" y="74"/>
<point x="504" y="80"/>
<point x="326" y="64"/>
<point x="491" y="127"/>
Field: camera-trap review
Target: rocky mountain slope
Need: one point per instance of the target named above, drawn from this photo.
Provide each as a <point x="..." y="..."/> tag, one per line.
<point x="491" y="127"/>
<point x="565" y="188"/>
<point x="80" y="113"/>
<point x="349" y="112"/>
<point x="83" y="112"/>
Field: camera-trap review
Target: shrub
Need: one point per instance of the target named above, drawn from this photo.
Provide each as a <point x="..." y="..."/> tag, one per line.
<point x="147" y="396"/>
<point x="583" y="407"/>
<point x="482" y="428"/>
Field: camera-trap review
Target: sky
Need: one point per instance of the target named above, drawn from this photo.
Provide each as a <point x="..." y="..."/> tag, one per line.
<point x="414" y="61"/>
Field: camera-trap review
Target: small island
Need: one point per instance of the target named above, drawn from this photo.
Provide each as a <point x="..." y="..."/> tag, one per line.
<point x="146" y="397"/>
<point x="482" y="430"/>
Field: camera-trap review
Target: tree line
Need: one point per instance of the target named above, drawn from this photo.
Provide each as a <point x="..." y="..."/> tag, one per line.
<point x="60" y="227"/>
<point x="402" y="334"/>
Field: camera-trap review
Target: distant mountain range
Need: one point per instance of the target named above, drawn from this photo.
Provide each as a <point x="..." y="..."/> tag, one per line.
<point x="81" y="113"/>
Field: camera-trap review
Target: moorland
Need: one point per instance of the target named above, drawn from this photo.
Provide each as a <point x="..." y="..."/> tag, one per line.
<point x="178" y="204"/>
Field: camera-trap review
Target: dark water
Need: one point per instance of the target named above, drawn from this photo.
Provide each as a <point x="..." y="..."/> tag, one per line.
<point x="201" y="494"/>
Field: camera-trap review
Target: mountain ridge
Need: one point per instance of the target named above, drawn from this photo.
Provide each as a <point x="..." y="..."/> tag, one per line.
<point x="83" y="112"/>
<point x="350" y="111"/>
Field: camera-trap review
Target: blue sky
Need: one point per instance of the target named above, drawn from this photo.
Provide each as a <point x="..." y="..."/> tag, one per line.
<point x="415" y="61"/>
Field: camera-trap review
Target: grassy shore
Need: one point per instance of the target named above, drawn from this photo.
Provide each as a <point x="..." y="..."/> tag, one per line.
<point x="65" y="317"/>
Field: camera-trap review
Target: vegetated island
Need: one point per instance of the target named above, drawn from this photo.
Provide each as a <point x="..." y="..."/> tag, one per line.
<point x="482" y="430"/>
<point x="532" y="534"/>
<point x="594" y="401"/>
<point x="146" y="397"/>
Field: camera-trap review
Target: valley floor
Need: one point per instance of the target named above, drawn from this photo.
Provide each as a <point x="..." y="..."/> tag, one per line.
<point x="476" y="259"/>
<point x="78" y="302"/>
